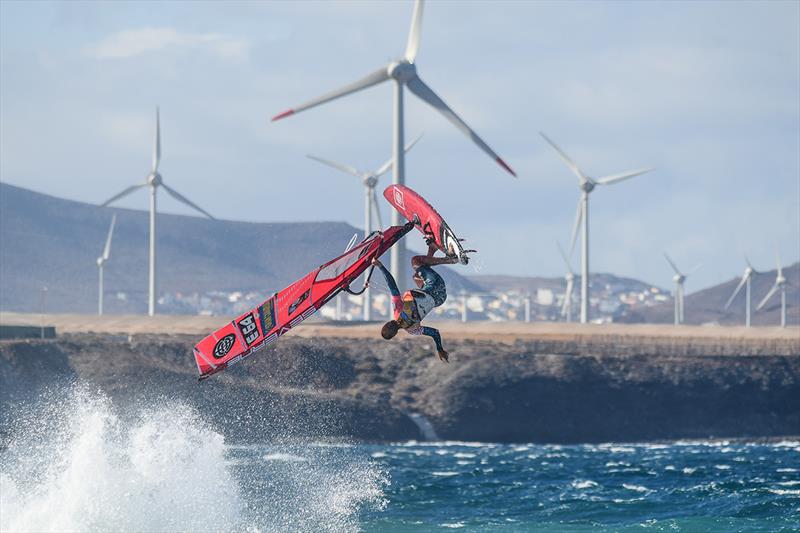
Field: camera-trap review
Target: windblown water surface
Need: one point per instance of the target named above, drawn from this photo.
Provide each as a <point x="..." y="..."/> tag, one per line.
<point x="80" y="465"/>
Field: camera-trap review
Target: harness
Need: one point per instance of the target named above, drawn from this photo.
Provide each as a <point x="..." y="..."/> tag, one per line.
<point x="409" y="314"/>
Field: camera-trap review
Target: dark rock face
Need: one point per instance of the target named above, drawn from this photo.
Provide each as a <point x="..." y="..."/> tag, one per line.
<point x="585" y="399"/>
<point x="26" y="367"/>
<point x="533" y="391"/>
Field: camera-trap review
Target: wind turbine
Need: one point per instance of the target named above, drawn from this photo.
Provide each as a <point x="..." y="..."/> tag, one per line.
<point x="404" y="72"/>
<point x="101" y="261"/>
<point x="154" y="181"/>
<point x="587" y="185"/>
<point x="746" y="277"/>
<point x="370" y="180"/>
<point x="566" y="307"/>
<point x="679" y="278"/>
<point x="780" y="285"/>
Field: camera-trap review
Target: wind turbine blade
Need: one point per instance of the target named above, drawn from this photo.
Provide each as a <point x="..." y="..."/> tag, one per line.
<point x="344" y="168"/>
<point x="175" y="194"/>
<point x="410" y="145"/>
<point x="735" y="292"/>
<point x="772" y="291"/>
<point x="367" y="81"/>
<point x="694" y="268"/>
<point x="123" y="193"/>
<point x="564" y="157"/>
<point x="675" y="268"/>
<point x="564" y="256"/>
<point x="418" y="87"/>
<point x="608" y="180"/>
<point x="413" y="35"/>
<point x="575" y="227"/>
<point x="388" y="164"/>
<point x="351" y="243"/>
<point x="778" y="258"/>
<point x="107" y="249"/>
<point x="157" y="143"/>
<point x="376" y="210"/>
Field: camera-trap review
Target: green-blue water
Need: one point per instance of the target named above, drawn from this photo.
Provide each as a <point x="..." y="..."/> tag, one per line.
<point x="81" y="466"/>
<point x="673" y="487"/>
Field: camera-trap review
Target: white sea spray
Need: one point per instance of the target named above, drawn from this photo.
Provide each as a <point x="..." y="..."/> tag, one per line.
<point x="74" y="462"/>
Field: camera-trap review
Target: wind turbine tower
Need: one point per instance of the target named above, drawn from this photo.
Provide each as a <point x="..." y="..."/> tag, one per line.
<point x="101" y="261"/>
<point x="746" y="277"/>
<point x="154" y="181"/>
<point x="566" y="306"/>
<point x="404" y="73"/>
<point x="679" y="278"/>
<point x="370" y="180"/>
<point x="780" y="285"/>
<point x="587" y="185"/>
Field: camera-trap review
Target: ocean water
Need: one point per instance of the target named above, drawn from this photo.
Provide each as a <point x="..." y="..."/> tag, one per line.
<point x="80" y="465"/>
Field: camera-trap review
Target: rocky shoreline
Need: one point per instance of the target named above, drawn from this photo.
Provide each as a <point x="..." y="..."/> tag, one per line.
<point x="594" y="389"/>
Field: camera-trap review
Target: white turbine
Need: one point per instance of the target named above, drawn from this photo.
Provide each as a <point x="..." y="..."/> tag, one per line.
<point x="566" y="306"/>
<point x="780" y="285"/>
<point x="527" y="307"/>
<point x="154" y="180"/>
<point x="370" y="181"/>
<point x="746" y="277"/>
<point x="587" y="185"/>
<point x="101" y="261"/>
<point x="404" y="72"/>
<point x="679" y="278"/>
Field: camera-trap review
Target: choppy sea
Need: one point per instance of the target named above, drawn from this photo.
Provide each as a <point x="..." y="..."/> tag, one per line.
<point x="78" y="467"/>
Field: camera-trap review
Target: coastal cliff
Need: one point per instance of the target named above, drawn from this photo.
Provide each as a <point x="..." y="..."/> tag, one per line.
<point x="585" y="389"/>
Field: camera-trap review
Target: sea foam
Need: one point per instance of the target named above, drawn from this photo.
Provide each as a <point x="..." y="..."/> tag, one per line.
<point x="73" y="462"/>
<point x="73" y="465"/>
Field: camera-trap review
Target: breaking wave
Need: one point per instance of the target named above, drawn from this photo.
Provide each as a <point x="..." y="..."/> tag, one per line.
<point x="75" y="462"/>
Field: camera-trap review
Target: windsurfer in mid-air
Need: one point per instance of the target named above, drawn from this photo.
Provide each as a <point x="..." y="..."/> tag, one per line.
<point x="412" y="306"/>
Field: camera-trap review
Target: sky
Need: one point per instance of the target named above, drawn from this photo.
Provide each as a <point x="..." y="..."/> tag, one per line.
<point x="706" y="92"/>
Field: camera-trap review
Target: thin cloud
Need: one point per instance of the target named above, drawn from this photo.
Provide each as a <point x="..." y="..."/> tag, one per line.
<point x="135" y="42"/>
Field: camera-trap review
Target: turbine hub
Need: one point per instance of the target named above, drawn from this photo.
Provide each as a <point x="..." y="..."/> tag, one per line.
<point x="678" y="278"/>
<point x="587" y="186"/>
<point x="100" y="261"/>
<point x="570" y="277"/>
<point x="370" y="181"/>
<point x="154" y="179"/>
<point x="780" y="281"/>
<point x="402" y="70"/>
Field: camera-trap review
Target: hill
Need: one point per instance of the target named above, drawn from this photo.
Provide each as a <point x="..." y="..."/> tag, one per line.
<point x="706" y="306"/>
<point x="52" y="242"/>
<point x="632" y="301"/>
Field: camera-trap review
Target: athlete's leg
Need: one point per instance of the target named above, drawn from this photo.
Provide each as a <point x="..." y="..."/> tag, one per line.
<point x="420" y="260"/>
<point x="432" y="283"/>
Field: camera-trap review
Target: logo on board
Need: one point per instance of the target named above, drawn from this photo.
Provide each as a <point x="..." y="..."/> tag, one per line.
<point x="224" y="345"/>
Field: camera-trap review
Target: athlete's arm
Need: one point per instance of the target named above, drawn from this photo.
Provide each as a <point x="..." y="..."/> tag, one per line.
<point x="434" y="334"/>
<point x="389" y="278"/>
<point x="397" y="302"/>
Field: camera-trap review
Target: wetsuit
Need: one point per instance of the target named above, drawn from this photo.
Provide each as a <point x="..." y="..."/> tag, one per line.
<point x="412" y="306"/>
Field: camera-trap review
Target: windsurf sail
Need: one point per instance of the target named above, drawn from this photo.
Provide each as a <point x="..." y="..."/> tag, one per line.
<point x="264" y="324"/>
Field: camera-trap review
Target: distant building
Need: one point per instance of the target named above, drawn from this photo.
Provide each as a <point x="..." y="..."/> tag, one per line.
<point x="545" y="296"/>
